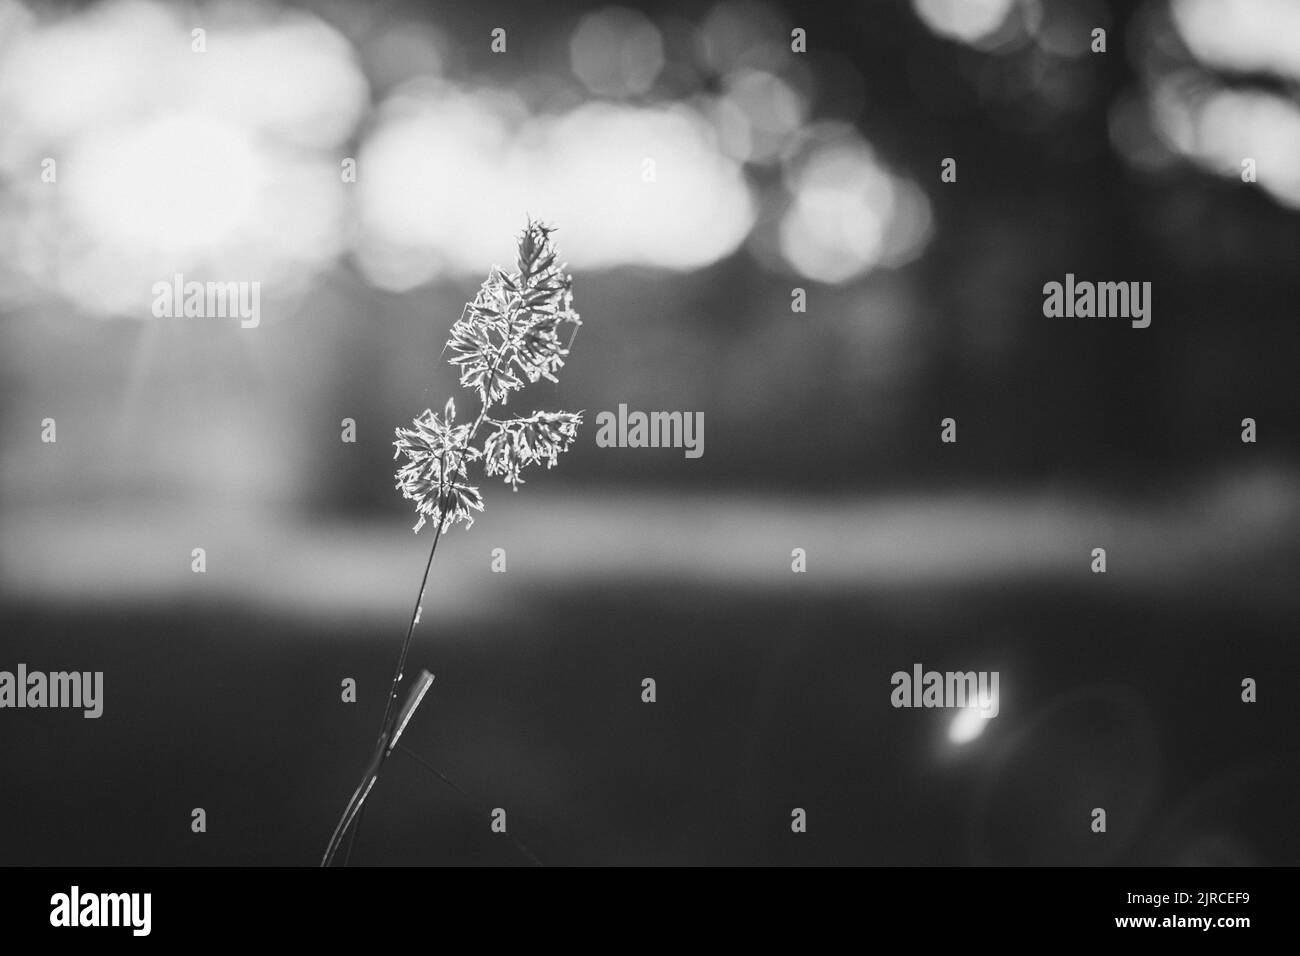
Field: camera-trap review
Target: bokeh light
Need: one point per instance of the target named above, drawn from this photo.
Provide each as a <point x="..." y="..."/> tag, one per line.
<point x="617" y="52"/>
<point x="848" y="214"/>
<point x="969" y="724"/>
<point x="968" y="21"/>
<point x="450" y="169"/>
<point x="1242" y="35"/>
<point x="169" y="160"/>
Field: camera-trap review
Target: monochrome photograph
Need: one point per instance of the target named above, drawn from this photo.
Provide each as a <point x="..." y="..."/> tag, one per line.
<point x="725" y="434"/>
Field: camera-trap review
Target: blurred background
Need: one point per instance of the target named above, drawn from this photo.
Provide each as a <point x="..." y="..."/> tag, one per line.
<point x="368" y="162"/>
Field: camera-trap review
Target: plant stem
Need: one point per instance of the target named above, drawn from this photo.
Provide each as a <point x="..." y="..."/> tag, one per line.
<point x="410" y="630"/>
<point x="353" y="809"/>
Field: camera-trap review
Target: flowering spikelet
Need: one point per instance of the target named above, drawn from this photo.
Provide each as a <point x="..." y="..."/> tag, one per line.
<point x="517" y="442"/>
<point x="434" y="475"/>
<point x="508" y="337"/>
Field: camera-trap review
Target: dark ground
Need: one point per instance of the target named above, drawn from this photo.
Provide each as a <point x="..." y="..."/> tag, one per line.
<point x="767" y="700"/>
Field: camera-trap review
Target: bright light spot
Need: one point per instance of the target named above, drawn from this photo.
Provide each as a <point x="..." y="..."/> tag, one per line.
<point x="1236" y="124"/>
<point x="849" y="215"/>
<point x="969" y="723"/>
<point x="836" y="227"/>
<point x="1217" y="128"/>
<point x="966" y="20"/>
<point x="616" y="52"/>
<point x="452" y="171"/>
<point x="183" y="182"/>
<point x="71" y="73"/>
<point x="433" y="179"/>
<point x="224" y="163"/>
<point x="1243" y="35"/>
<point x="296" y="81"/>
